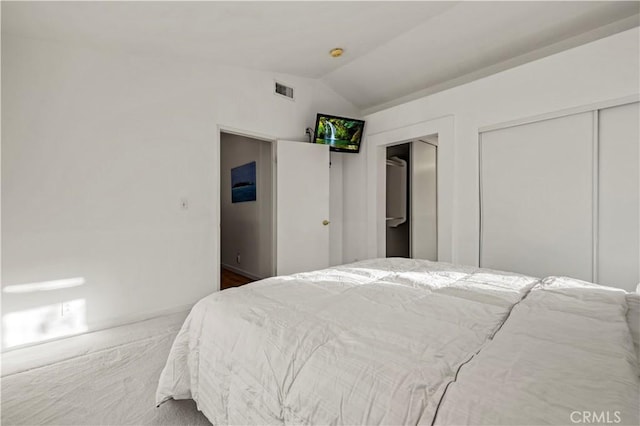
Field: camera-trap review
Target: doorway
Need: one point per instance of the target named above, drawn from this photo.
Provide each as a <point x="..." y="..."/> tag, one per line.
<point x="411" y="199"/>
<point x="398" y="228"/>
<point x="246" y="209"/>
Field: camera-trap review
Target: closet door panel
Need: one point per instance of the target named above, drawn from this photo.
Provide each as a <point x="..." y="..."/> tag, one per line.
<point x="537" y="197"/>
<point x="424" y="201"/>
<point x="618" y="194"/>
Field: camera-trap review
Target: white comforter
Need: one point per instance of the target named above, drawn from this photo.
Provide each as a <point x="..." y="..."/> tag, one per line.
<point x="380" y="341"/>
<point x="564" y="356"/>
<point x="375" y="342"/>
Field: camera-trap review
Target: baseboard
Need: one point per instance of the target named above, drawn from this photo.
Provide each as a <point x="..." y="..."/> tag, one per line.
<point x="241" y="272"/>
<point x="131" y="319"/>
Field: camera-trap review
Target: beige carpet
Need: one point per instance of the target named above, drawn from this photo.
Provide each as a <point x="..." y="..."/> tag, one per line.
<point x="108" y="377"/>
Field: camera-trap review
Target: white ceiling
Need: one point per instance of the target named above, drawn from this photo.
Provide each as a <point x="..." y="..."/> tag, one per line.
<point x="392" y="49"/>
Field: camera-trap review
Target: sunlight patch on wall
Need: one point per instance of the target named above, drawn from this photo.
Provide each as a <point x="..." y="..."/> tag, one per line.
<point x="44" y="323"/>
<point x="44" y="285"/>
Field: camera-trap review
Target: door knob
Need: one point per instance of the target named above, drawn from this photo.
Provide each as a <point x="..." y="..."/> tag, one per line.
<point x="325" y="222"/>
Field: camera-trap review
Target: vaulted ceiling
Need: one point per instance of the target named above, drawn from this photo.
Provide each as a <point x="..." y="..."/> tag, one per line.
<point x="393" y="50"/>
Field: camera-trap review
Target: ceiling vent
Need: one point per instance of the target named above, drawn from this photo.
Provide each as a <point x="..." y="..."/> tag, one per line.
<point x="282" y="90"/>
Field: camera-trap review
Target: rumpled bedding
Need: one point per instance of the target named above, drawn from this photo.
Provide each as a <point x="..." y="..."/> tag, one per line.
<point x="374" y="342"/>
<point x="564" y="356"/>
<point x="633" y="319"/>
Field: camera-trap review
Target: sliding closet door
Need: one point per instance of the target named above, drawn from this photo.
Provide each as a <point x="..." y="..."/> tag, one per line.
<point x="618" y="193"/>
<point x="537" y="197"/>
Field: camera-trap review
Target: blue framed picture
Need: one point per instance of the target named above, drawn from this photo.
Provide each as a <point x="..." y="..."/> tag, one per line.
<point x="243" y="183"/>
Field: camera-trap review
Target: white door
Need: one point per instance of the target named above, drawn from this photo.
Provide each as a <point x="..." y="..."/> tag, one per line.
<point x="424" y="218"/>
<point x="618" y="200"/>
<point x="302" y="203"/>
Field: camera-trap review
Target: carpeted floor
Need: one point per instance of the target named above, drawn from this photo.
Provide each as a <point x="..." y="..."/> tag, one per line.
<point x="107" y="377"/>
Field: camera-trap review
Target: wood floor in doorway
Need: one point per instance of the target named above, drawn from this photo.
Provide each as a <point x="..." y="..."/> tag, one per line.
<point x="230" y="279"/>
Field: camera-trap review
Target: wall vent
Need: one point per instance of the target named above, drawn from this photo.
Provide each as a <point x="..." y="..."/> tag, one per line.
<point x="282" y="90"/>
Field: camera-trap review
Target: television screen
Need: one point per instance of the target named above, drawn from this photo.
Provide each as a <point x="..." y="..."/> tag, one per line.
<point x="340" y="133"/>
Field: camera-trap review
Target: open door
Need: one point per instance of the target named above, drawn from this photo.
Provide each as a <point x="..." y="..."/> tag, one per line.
<point x="424" y="209"/>
<point x="302" y="204"/>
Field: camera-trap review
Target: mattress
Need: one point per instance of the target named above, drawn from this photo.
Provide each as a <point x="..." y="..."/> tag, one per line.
<point x="383" y="341"/>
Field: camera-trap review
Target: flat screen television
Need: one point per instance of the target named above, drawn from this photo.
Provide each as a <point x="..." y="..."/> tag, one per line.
<point x="340" y="133"/>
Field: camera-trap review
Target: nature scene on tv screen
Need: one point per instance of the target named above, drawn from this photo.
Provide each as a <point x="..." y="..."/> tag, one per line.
<point x="339" y="133"/>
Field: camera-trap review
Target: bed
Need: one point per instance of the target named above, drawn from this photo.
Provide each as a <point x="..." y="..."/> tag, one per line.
<point x="403" y="341"/>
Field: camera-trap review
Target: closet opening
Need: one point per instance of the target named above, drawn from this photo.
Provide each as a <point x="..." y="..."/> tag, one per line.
<point x="411" y="199"/>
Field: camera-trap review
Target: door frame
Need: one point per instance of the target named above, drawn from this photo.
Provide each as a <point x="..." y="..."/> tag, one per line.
<point x="217" y="184"/>
<point x="376" y="182"/>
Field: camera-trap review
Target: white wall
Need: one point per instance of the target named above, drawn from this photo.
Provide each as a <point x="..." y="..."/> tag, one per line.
<point x="246" y="229"/>
<point x="605" y="69"/>
<point x="98" y="148"/>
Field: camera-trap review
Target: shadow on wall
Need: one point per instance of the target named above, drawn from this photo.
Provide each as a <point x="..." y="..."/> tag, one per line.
<point x="44" y="322"/>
